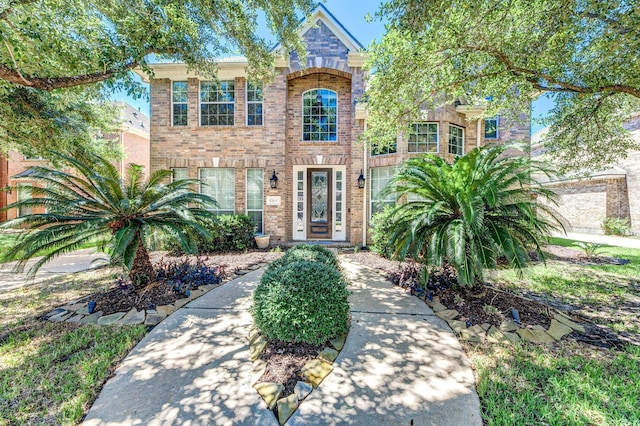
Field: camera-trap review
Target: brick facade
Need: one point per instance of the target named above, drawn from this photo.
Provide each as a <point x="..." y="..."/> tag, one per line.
<point x="278" y="144"/>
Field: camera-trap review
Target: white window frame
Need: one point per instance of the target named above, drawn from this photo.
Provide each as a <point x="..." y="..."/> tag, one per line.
<point x="261" y="102"/>
<point x="246" y="200"/>
<point x="452" y="126"/>
<point x="232" y="103"/>
<point x="218" y="210"/>
<point x="173" y="102"/>
<point x="497" y="120"/>
<point x="173" y="173"/>
<point x="414" y="126"/>
<point x="337" y="117"/>
<point x="20" y="198"/>
<point x="391" y="199"/>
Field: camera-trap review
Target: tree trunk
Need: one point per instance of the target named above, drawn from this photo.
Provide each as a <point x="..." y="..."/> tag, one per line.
<point x="142" y="272"/>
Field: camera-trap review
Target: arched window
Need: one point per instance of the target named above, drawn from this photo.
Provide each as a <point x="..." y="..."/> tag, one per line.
<point x="319" y="115"/>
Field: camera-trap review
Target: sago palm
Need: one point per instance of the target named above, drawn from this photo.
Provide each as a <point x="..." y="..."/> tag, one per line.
<point x="96" y="203"/>
<point x="470" y="213"/>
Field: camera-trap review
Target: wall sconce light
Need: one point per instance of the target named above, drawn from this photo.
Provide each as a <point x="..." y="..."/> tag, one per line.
<point x="361" y="180"/>
<point x="7" y="189"/>
<point x="273" y="180"/>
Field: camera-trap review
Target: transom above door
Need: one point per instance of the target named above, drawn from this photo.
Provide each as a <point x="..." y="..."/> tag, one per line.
<point x="318" y="203"/>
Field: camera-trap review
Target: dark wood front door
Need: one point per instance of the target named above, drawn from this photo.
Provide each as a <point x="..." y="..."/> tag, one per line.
<point x="319" y="203"/>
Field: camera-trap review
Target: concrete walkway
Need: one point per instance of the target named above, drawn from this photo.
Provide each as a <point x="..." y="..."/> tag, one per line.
<point x="77" y="261"/>
<point x="610" y="240"/>
<point x="400" y="364"/>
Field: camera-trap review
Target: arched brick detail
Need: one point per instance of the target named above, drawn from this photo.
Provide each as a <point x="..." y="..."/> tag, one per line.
<point x="324" y="71"/>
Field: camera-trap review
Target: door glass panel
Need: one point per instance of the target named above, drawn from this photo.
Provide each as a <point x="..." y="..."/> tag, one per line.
<point x="319" y="187"/>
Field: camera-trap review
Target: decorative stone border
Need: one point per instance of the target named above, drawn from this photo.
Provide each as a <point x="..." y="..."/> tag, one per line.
<point x="315" y="371"/>
<point x="508" y="331"/>
<point x="78" y="310"/>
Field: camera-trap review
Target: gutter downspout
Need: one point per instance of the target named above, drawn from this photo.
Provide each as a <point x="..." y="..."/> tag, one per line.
<point x="364" y="195"/>
<point x="478" y="129"/>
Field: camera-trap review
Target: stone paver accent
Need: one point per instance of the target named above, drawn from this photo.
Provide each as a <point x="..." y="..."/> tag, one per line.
<point x="494" y="335"/>
<point x="166" y="309"/>
<point x="286" y="407"/>
<point x="92" y="319"/>
<point x="534" y="336"/>
<point x="486" y="326"/>
<point x="328" y="354"/>
<point x="62" y="317"/>
<point x="508" y="325"/>
<point x="270" y="392"/>
<point x="316" y="370"/>
<point x="473" y="334"/>
<point x="259" y="368"/>
<point x="256" y="347"/>
<point x="457" y="326"/>
<point x="110" y="319"/>
<point x="302" y="390"/>
<point x="338" y="342"/>
<point x="133" y="317"/>
<point x="181" y="302"/>
<point x="568" y="322"/>
<point x="154" y="319"/>
<point x="557" y="330"/>
<point x="448" y="314"/>
<point x="75" y="319"/>
<point x="438" y="307"/>
<point x="513" y="337"/>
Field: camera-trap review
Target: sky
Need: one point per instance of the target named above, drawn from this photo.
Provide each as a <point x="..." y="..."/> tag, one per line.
<point x="351" y="14"/>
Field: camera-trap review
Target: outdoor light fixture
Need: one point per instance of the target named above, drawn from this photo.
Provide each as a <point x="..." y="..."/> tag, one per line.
<point x="273" y="180"/>
<point x="361" y="180"/>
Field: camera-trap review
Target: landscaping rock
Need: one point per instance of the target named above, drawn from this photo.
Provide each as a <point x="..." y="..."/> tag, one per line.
<point x="538" y="327"/>
<point x="256" y="348"/>
<point x="181" y="302"/>
<point x="438" y="307"/>
<point x="328" y="354"/>
<point x="302" y="390"/>
<point x="486" y="326"/>
<point x="196" y="293"/>
<point x="494" y="335"/>
<point x="110" y="319"/>
<point x="316" y="370"/>
<point x="286" y="407"/>
<point x="83" y="311"/>
<point x="448" y="314"/>
<point x="508" y="326"/>
<point x="258" y="369"/>
<point x="154" y="319"/>
<point x="75" y="306"/>
<point x="338" y="342"/>
<point x="534" y="336"/>
<point x="91" y="319"/>
<point x="568" y="322"/>
<point x="253" y="334"/>
<point x="133" y="317"/>
<point x="76" y="318"/>
<point x="166" y="309"/>
<point x="474" y="334"/>
<point x="54" y="313"/>
<point x="243" y="271"/>
<point x="62" y="316"/>
<point x="513" y="337"/>
<point x="270" y="392"/>
<point x="457" y="326"/>
<point x="557" y="330"/>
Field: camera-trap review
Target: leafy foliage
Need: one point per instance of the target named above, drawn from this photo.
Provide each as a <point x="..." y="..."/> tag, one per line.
<point x="302" y="302"/>
<point x="616" y="226"/>
<point x="92" y="205"/>
<point x="470" y="212"/>
<point x="590" y="249"/>
<point x="307" y="252"/>
<point x="581" y="54"/>
<point x="184" y="275"/>
<point x="381" y="228"/>
<point x="59" y="55"/>
<point x="418" y="277"/>
<point x="226" y="233"/>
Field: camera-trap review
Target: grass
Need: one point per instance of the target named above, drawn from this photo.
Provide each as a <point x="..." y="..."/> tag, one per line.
<point x="51" y="372"/>
<point x="569" y="383"/>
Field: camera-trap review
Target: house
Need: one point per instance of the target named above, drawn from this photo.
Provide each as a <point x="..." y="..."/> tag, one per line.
<point x="132" y="138"/>
<point x="286" y="152"/>
<point x="587" y="198"/>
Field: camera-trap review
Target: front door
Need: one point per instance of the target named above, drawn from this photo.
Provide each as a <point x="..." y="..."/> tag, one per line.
<point x="319" y="203"/>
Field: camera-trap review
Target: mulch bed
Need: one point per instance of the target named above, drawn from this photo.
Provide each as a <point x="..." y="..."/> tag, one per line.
<point x="285" y="362"/>
<point x="124" y="299"/>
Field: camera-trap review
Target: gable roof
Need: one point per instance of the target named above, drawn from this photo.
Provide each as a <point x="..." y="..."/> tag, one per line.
<point x="321" y="13"/>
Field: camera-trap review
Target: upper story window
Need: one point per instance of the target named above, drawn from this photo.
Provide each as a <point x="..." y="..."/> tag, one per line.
<point x="456" y="140"/>
<point x="319" y="115"/>
<point x="384" y="148"/>
<point x="491" y="127"/>
<point x="179" y="98"/>
<point x="423" y="137"/>
<point x="254" y="103"/>
<point x="217" y="101"/>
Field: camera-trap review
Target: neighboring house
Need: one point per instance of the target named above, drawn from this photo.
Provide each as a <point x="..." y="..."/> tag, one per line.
<point x="287" y="152"/>
<point x="586" y="199"/>
<point x="133" y="140"/>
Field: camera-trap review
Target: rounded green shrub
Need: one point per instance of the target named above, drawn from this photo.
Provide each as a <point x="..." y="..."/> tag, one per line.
<point x="302" y="302"/>
<point x="308" y="252"/>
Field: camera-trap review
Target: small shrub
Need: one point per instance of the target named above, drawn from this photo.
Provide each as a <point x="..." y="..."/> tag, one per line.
<point x="616" y="226"/>
<point x="309" y="252"/>
<point x="302" y="302"/>
<point x="185" y="276"/>
<point x="381" y="228"/>
<point x="229" y="233"/>
<point x="413" y="275"/>
<point x="590" y="249"/>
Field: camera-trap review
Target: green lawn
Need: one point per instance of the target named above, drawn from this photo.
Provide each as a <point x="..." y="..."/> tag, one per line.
<point x="569" y="383"/>
<point x="51" y="372"/>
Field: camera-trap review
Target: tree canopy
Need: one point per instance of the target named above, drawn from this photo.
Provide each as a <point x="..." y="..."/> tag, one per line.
<point x="505" y="53"/>
<point x="60" y="58"/>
